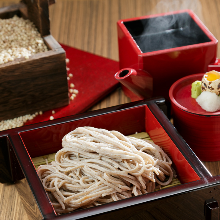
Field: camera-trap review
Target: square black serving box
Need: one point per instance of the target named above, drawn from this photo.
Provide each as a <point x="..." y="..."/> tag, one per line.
<point x="195" y="198"/>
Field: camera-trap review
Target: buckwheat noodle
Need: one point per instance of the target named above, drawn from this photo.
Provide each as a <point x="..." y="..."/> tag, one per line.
<point x="97" y="166"/>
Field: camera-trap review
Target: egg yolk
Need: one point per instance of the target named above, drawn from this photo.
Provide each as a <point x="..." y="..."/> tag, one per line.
<point x="212" y="75"/>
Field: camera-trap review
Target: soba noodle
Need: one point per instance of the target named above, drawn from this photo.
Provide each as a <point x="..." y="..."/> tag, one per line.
<point x="97" y="166"/>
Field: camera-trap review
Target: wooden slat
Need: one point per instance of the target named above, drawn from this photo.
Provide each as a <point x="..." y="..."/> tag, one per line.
<point x="11" y="10"/>
<point x="38" y="13"/>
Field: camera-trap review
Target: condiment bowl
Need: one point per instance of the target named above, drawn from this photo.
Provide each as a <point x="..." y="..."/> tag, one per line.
<point x="199" y="128"/>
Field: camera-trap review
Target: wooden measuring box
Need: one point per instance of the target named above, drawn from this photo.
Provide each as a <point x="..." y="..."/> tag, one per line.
<point x="40" y="82"/>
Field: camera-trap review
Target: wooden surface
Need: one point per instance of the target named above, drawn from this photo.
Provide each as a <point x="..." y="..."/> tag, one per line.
<point x="90" y="25"/>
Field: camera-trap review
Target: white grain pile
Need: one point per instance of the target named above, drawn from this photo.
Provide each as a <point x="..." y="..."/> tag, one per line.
<point x="16" y="122"/>
<point x="19" y="38"/>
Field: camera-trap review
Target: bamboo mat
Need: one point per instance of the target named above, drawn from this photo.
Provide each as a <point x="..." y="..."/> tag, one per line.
<point x="90" y="25"/>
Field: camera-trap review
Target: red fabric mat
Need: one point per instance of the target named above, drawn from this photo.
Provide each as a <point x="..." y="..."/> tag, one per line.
<point x="93" y="77"/>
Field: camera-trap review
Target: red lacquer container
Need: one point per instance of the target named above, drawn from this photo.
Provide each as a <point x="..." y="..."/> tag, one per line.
<point x="138" y="84"/>
<point x="200" y="129"/>
<point x="189" y="200"/>
<point x="168" y="46"/>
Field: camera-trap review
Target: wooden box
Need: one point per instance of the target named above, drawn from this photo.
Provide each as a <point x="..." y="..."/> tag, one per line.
<point x="40" y="82"/>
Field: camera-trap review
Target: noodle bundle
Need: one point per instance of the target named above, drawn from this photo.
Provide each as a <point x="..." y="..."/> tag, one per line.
<point x="97" y="166"/>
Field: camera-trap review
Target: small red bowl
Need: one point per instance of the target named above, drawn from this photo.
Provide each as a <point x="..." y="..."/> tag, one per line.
<point x="200" y="129"/>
